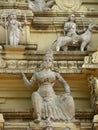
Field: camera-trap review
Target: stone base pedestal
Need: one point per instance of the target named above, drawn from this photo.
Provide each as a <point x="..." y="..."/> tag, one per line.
<point x="14" y="48"/>
<point x="14" y="52"/>
<point x="56" y="125"/>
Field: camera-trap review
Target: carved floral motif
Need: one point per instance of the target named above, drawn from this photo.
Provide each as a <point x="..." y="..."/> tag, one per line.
<point x="69" y="6"/>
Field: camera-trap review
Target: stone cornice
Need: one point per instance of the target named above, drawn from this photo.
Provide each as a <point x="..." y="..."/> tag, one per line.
<point x="16" y="60"/>
<point x="28" y="114"/>
<point x="54" y="21"/>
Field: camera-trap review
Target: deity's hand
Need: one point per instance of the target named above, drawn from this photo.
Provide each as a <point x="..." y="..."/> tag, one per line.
<point x="64" y="97"/>
<point x="27" y="83"/>
<point x="67" y="94"/>
<point x="23" y="75"/>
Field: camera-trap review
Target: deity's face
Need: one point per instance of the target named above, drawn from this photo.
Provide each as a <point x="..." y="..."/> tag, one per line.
<point x="72" y="17"/>
<point x="47" y="63"/>
<point x="13" y="16"/>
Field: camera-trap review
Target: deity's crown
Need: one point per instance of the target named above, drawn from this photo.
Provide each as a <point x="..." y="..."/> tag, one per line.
<point x="49" y="53"/>
<point x="12" y="12"/>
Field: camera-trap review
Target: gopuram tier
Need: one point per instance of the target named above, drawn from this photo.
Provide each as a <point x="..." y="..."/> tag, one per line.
<point x="48" y="65"/>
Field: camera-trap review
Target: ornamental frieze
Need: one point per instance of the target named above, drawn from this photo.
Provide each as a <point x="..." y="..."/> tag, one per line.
<point x="29" y="66"/>
<point x="91" y="61"/>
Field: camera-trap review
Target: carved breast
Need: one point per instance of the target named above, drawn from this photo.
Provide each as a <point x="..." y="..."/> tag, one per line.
<point x="46" y="77"/>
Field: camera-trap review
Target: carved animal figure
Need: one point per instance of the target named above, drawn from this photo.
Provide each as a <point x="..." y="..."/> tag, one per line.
<point x="83" y="39"/>
<point x="14" y="27"/>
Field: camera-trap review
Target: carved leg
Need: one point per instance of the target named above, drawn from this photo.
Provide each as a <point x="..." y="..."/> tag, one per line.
<point x="37" y="105"/>
<point x="57" y="48"/>
<point x="65" y="48"/>
<point x="83" y="45"/>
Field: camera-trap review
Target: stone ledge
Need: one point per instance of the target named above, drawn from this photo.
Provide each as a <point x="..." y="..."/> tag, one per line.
<point x="57" y="125"/>
<point x="28" y="114"/>
<point x="22" y="125"/>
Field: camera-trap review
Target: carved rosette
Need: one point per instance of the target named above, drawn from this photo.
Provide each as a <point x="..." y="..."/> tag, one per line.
<point x="32" y="64"/>
<point x="11" y="64"/>
<point x="22" y="64"/>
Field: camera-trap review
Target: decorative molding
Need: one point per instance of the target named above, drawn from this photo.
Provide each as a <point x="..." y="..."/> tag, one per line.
<point x="91" y="61"/>
<point x="15" y="60"/>
<point x="28" y="113"/>
<point x="57" y="125"/>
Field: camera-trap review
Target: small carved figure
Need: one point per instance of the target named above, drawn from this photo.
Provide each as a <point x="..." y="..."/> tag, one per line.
<point x="71" y="37"/>
<point x="46" y="104"/>
<point x="74" y="36"/>
<point x="14" y="27"/>
<point x="40" y="5"/>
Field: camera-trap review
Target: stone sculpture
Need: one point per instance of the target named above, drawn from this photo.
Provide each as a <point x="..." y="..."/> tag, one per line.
<point x="85" y="38"/>
<point x="73" y="37"/>
<point x="69" y="6"/>
<point x="46" y="104"/>
<point x="40" y="5"/>
<point x="14" y="27"/>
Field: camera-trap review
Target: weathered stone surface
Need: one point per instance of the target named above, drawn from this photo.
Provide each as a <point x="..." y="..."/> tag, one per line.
<point x="75" y="125"/>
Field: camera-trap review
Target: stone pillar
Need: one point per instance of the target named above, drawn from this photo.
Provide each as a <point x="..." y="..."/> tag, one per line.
<point x="1" y="121"/>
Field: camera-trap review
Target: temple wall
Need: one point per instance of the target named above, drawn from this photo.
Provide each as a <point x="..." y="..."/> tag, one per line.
<point x="14" y="95"/>
<point x="42" y="29"/>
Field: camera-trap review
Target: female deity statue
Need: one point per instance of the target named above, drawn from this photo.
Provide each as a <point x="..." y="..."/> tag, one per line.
<point x="70" y="29"/>
<point x="46" y="104"/>
<point x="14" y="27"/>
